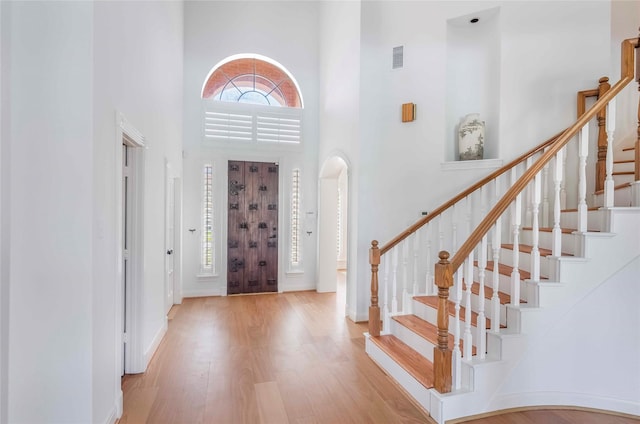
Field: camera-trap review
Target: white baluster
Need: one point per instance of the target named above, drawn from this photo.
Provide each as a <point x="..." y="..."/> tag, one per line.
<point x="528" y="198"/>
<point x="457" y="352"/>
<point x="394" y="280"/>
<point x="454" y="228"/>
<point x="583" y="151"/>
<point x="468" y="339"/>
<point x="535" y="230"/>
<point x="429" y="277"/>
<point x="386" y="324"/>
<point x="495" y="299"/>
<point x="482" y="322"/>
<point x="416" y="247"/>
<point x="405" y="278"/>
<point x="515" y="273"/>
<point x="608" y="182"/>
<point x="563" y="181"/>
<point x="440" y="233"/>
<point x="545" y="195"/>
<point x="514" y="178"/>
<point x="557" y="180"/>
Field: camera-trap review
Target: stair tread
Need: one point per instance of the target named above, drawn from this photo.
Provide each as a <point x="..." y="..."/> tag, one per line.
<point x="507" y="270"/>
<point x="424" y="329"/>
<point x="576" y="210"/>
<point x="527" y="249"/>
<point x="488" y="293"/>
<point x="618" y="187"/>
<point x="433" y="302"/>
<point x="624" y="173"/>
<point x="564" y="230"/>
<point x="411" y="361"/>
<point x="628" y="149"/>
<point x="624" y="161"/>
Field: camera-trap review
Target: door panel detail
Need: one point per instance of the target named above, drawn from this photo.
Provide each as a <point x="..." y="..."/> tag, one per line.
<point x="253" y="211"/>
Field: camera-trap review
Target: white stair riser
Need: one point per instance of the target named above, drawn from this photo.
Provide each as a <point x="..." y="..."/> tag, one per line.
<point x="504" y="282"/>
<point x="621" y="198"/>
<point x="430" y="314"/>
<point x="506" y="258"/>
<point x="408" y="383"/>
<point x="621" y="179"/>
<point x="624" y="167"/>
<point x="421" y="345"/>
<point x="546" y="240"/>
<point x="594" y="220"/>
<point x="475" y="306"/>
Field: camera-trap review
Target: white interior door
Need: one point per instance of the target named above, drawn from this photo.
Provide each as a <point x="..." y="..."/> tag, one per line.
<point x="126" y="207"/>
<point x="169" y="239"/>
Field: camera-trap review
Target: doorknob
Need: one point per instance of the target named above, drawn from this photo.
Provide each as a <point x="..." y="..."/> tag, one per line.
<point x="170" y="252"/>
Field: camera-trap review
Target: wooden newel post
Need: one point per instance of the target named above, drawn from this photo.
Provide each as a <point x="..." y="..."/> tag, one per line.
<point x="601" y="172"/>
<point x="441" y="353"/>
<point x="374" y="309"/>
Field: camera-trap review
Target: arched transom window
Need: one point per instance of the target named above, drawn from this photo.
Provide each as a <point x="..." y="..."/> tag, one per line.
<point x="252" y="79"/>
<point x="251" y="98"/>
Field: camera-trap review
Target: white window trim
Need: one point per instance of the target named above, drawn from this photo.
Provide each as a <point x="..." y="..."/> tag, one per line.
<point x="205" y="271"/>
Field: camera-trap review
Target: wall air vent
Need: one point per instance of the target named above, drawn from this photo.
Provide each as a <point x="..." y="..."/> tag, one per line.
<point x="398" y="57"/>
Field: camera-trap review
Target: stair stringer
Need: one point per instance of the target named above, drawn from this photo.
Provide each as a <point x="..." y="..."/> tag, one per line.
<point x="606" y="254"/>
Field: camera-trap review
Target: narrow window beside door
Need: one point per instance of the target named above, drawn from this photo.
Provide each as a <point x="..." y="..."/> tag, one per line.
<point x="206" y="261"/>
<point x="295" y="258"/>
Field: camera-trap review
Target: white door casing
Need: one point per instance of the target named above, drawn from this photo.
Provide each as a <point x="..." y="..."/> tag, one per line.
<point x="131" y="309"/>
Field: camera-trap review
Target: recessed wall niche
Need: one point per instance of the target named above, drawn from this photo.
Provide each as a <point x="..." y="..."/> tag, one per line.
<point x="473" y="77"/>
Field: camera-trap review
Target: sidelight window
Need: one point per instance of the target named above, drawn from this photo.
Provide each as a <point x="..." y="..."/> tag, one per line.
<point x="206" y="259"/>
<point x="295" y="257"/>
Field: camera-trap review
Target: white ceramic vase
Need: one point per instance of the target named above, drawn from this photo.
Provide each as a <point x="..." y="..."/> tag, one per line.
<point x="471" y="137"/>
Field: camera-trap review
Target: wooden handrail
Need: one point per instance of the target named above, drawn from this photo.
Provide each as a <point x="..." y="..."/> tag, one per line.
<point x="627" y="75"/>
<point x="437" y="211"/>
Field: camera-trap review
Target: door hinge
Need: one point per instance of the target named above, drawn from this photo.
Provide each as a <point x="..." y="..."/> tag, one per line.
<point x="125" y="254"/>
<point x="125" y="337"/>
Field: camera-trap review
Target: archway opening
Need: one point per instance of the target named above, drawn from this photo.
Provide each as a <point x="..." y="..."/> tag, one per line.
<point x="333" y="229"/>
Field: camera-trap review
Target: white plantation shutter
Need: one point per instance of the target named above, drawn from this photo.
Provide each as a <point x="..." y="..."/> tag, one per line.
<point x="228" y="126"/>
<point x="278" y="128"/>
<point x="241" y="122"/>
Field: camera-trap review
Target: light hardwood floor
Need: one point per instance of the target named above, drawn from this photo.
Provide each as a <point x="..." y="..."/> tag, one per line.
<point x="280" y="358"/>
<point x="277" y="359"/>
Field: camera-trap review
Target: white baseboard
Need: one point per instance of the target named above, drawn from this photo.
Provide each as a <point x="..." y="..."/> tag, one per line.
<point x="202" y="292"/>
<point x="565" y="399"/>
<point x="359" y="317"/>
<point x="119" y="404"/>
<point x="148" y="353"/>
<point x="297" y="286"/>
<point x="116" y="411"/>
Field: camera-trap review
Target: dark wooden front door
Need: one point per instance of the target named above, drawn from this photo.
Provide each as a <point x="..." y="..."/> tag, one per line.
<point x="252" y="244"/>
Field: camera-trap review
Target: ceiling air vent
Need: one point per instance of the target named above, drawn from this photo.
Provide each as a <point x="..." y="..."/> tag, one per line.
<point x="398" y="57"/>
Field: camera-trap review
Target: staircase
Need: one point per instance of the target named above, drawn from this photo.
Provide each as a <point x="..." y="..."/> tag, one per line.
<point x="532" y="304"/>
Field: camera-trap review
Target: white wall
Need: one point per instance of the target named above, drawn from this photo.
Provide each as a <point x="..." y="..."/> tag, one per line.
<point x="5" y="161"/>
<point x="137" y="71"/>
<point x="69" y="67"/>
<point x="545" y="58"/>
<point x="339" y="112"/>
<point x="473" y="77"/>
<point x="286" y="32"/>
<point x="588" y="357"/>
<point x="51" y="207"/>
